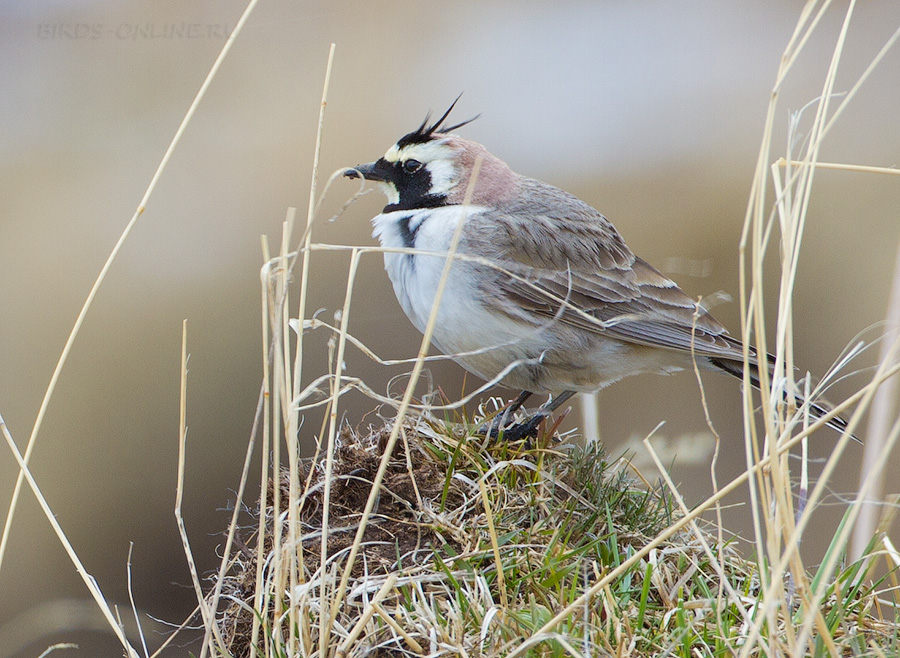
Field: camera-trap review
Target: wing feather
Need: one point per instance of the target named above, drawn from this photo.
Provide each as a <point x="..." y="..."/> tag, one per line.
<point x="569" y="262"/>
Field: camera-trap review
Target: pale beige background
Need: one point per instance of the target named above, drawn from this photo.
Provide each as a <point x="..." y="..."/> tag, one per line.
<point x="651" y="111"/>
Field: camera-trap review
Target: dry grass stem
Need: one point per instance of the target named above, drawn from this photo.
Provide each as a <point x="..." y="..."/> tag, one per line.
<point x="446" y="543"/>
<point x="24" y="474"/>
<point x="76" y="328"/>
<point x="418" y="536"/>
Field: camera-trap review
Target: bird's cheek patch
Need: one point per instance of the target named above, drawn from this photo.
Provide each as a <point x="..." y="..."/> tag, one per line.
<point x="444" y="177"/>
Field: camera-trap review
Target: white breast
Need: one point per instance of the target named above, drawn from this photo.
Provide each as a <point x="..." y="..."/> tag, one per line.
<point x="416" y="276"/>
<point x="463" y="323"/>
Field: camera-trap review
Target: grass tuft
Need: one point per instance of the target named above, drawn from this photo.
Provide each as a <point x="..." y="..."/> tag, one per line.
<point x="439" y="574"/>
<point x="422" y="538"/>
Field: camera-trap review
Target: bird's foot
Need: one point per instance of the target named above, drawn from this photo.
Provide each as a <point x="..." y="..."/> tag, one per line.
<point x="527" y="429"/>
<point x="496" y="428"/>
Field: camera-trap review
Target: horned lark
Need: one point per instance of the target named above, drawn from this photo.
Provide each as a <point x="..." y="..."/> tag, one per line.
<point x="545" y="286"/>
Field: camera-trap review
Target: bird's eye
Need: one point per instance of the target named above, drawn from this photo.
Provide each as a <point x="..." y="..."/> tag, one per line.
<point x="412" y="166"/>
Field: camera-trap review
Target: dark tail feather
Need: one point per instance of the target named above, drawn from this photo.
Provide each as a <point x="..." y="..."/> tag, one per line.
<point x="816" y="409"/>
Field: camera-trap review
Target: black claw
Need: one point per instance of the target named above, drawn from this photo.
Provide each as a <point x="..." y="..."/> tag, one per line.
<point x="490" y="428"/>
<point x="527" y="429"/>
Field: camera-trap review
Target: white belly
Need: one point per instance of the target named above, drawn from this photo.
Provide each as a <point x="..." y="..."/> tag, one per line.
<point x="552" y="357"/>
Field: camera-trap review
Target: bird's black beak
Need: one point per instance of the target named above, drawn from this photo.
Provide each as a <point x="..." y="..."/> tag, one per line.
<point x="366" y="171"/>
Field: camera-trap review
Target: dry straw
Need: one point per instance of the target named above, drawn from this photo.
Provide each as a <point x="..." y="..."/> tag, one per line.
<point x="24" y="473"/>
<point x="421" y="538"/>
<point x="762" y="613"/>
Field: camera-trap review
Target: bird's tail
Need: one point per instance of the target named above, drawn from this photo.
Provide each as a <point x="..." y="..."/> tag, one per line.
<point x="817" y="408"/>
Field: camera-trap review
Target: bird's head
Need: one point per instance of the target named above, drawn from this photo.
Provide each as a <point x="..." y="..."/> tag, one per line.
<point x="431" y="167"/>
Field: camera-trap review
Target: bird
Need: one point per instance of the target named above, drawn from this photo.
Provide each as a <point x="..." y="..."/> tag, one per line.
<point x="543" y="289"/>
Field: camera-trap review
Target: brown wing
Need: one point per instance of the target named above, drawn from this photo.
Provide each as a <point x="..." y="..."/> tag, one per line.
<point x="570" y="263"/>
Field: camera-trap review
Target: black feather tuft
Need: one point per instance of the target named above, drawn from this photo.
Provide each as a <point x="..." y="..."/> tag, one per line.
<point x="425" y="132"/>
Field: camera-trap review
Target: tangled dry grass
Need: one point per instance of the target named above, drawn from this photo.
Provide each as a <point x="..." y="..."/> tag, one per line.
<point x="474" y="545"/>
<point x="420" y="538"/>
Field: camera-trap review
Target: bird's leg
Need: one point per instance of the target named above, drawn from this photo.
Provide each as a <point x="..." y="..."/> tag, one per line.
<point x="516" y="404"/>
<point x="493" y="426"/>
<point x="529" y="428"/>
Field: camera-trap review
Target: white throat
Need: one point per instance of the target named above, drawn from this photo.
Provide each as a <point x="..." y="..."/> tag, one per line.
<point x="429" y="229"/>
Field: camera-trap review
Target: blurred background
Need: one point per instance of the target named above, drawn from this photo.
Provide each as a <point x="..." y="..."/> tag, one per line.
<point x="651" y="111"/>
